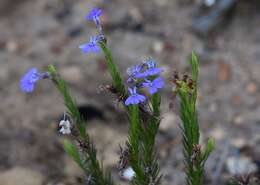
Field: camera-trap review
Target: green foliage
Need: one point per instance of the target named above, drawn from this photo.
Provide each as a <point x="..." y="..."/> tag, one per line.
<point x="134" y="143"/>
<point x="85" y="156"/>
<point x="141" y="140"/>
<point x="143" y="129"/>
<point x="117" y="80"/>
<point x="195" y="157"/>
<point x="232" y="182"/>
<point x="73" y="152"/>
<point x="68" y="100"/>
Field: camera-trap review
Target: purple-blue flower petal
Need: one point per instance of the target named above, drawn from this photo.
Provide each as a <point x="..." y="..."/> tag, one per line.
<point x="91" y="46"/>
<point x="150" y="63"/>
<point x="28" y="81"/>
<point x="158" y="82"/>
<point x="153" y="71"/>
<point x="152" y="90"/>
<point x="94" y="13"/>
<point x="153" y="86"/>
<point x="134" y="97"/>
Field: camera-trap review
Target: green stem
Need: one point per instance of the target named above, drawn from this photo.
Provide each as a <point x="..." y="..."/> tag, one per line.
<point x="88" y="162"/>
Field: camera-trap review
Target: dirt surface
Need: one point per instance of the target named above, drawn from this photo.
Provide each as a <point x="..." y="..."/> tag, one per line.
<point x="40" y="32"/>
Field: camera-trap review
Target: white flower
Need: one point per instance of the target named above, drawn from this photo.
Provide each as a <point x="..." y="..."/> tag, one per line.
<point x="65" y="127"/>
<point x="128" y="174"/>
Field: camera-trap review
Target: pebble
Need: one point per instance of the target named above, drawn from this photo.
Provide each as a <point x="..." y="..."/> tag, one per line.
<point x="209" y="2"/>
<point x="158" y="47"/>
<point x="240" y="165"/>
<point x="251" y="88"/>
<point x="71" y="74"/>
<point x="238" y="142"/>
<point x="224" y="71"/>
<point x="218" y="133"/>
<point x="238" y="120"/>
<point x="12" y="46"/>
<point x="21" y="176"/>
<point x="168" y="122"/>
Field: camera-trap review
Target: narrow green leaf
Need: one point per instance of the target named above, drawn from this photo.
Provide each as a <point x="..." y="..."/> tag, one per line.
<point x="209" y="148"/>
<point x="194" y="66"/>
<point x="195" y="74"/>
<point x="117" y="80"/>
<point x="68" y="100"/>
<point x="72" y="151"/>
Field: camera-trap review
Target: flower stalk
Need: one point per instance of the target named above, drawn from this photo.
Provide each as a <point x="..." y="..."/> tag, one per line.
<point x="195" y="156"/>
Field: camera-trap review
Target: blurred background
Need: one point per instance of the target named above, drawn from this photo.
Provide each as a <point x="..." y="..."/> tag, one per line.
<point x="224" y="33"/>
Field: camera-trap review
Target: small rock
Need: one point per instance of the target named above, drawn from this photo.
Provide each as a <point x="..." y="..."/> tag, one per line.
<point x="236" y="100"/>
<point x="224" y="71"/>
<point x="251" y="88"/>
<point x="238" y="142"/>
<point x="71" y="74"/>
<point x="209" y="2"/>
<point x="158" y="47"/>
<point x="136" y="14"/>
<point x="238" y="120"/>
<point x="21" y="176"/>
<point x="240" y="165"/>
<point x="12" y="46"/>
<point x="218" y="133"/>
<point x="168" y="121"/>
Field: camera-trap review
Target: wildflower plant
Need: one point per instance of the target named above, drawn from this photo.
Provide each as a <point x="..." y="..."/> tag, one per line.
<point x="195" y="155"/>
<point x="142" y="103"/>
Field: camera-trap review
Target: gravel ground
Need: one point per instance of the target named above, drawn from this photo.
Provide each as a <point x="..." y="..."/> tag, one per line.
<point x="40" y="32"/>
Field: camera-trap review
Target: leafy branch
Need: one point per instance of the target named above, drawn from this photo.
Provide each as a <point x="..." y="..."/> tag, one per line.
<point x="85" y="155"/>
<point x="195" y="156"/>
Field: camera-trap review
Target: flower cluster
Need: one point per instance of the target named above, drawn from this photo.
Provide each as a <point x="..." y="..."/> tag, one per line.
<point x="145" y="75"/>
<point x="92" y="45"/>
<point x="29" y="79"/>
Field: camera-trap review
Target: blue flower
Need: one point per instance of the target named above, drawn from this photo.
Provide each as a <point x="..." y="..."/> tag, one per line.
<point x="152" y="71"/>
<point x="150" y="63"/>
<point x="91" y="46"/>
<point x="147" y="68"/>
<point x="154" y="85"/>
<point x="30" y="78"/>
<point x="94" y="16"/>
<point x="94" y="13"/>
<point x="134" y="72"/>
<point x="134" y="97"/>
<point x="151" y="68"/>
